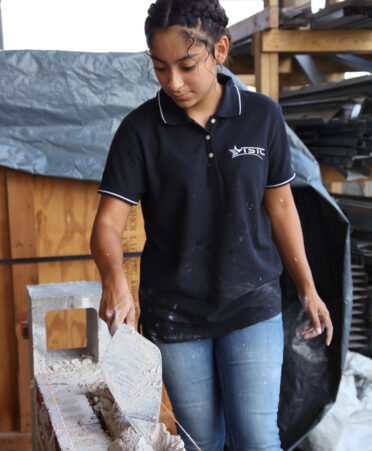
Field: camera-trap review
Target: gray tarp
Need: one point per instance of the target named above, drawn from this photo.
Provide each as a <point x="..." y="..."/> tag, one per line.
<point x="58" y="114"/>
<point x="59" y="110"/>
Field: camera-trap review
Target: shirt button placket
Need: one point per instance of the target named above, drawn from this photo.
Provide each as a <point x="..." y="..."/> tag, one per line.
<point x="210" y="154"/>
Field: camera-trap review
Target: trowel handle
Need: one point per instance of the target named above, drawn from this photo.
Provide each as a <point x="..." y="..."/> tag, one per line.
<point x="114" y="323"/>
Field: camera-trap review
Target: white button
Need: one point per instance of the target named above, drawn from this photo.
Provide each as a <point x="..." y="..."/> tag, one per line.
<point x="208" y="137"/>
<point x="211" y="155"/>
<point x="213" y="120"/>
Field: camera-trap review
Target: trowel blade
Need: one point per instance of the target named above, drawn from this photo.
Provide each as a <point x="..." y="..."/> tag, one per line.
<point x="131" y="366"/>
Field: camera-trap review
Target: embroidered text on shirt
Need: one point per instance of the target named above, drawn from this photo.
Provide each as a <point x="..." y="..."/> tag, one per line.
<point x="255" y="151"/>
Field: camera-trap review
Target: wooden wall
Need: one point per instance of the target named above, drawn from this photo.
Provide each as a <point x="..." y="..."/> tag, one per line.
<point x="46" y="217"/>
<point x="8" y="348"/>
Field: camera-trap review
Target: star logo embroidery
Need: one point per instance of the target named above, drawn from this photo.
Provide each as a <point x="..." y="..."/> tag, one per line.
<point x="258" y="152"/>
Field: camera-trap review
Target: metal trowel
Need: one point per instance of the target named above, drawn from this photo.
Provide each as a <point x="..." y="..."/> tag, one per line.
<point x="131" y="366"/>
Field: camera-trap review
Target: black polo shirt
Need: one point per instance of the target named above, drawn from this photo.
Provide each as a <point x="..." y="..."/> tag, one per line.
<point x="209" y="265"/>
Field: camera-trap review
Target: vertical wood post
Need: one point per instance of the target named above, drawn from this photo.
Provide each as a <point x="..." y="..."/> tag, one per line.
<point x="23" y="244"/>
<point x="271" y="3"/>
<point x="266" y="67"/>
<point x="8" y="345"/>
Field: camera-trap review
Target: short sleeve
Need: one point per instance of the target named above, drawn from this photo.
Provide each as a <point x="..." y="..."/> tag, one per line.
<point x="124" y="173"/>
<point x="280" y="169"/>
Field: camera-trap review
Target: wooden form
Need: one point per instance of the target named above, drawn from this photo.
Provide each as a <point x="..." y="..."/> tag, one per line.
<point x="15" y="441"/>
<point x="22" y="245"/>
<point x="8" y="344"/>
<point x="46" y="217"/>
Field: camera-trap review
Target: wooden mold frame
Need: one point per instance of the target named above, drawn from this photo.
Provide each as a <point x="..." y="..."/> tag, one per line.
<point x="46" y="217"/>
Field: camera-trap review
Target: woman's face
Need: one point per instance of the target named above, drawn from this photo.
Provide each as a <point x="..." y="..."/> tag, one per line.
<point x="186" y="73"/>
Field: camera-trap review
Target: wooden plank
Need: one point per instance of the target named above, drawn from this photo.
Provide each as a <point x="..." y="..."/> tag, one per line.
<point x="331" y="175"/>
<point x="15" y="441"/>
<point x="245" y="65"/>
<point x="65" y="211"/>
<point x="292" y="3"/>
<point x="66" y="329"/>
<point x="334" y="187"/>
<point x="299" y="80"/>
<point x="134" y="234"/>
<point x="8" y="349"/>
<point x="317" y="41"/>
<point x="285" y="65"/>
<point x="165" y="417"/>
<point x="266" y="69"/>
<point x="247" y="79"/>
<point x="241" y="65"/>
<point x="8" y="343"/>
<point x="263" y="20"/>
<point x="68" y="271"/>
<point x="23" y="244"/>
<point x="328" y="66"/>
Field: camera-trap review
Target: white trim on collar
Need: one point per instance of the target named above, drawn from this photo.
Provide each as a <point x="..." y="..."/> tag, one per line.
<point x="160" y="108"/>
<point x="240" y="100"/>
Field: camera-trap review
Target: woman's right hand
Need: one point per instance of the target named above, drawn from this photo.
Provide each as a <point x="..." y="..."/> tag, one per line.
<point x="117" y="307"/>
<point x="117" y="304"/>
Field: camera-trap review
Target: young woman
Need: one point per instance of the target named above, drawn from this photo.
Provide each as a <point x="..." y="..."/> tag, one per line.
<point x="211" y="166"/>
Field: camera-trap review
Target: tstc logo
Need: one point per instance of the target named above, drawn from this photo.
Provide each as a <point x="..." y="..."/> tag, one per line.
<point x="255" y="151"/>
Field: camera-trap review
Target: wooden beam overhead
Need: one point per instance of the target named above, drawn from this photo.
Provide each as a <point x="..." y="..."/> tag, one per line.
<point x="296" y="79"/>
<point x="245" y="65"/>
<point x="264" y="20"/>
<point x="317" y="41"/>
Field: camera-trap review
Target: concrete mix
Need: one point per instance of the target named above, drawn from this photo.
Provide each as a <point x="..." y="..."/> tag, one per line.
<point x="86" y="405"/>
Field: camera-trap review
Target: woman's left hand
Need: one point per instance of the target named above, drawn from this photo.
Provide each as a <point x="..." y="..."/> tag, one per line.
<point x="319" y="318"/>
<point x="287" y="235"/>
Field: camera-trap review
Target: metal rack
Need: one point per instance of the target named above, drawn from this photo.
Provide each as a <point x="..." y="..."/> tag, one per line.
<point x="359" y="212"/>
<point x="274" y="52"/>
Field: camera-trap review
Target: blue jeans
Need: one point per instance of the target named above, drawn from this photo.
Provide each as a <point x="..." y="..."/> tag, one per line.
<point x="235" y="379"/>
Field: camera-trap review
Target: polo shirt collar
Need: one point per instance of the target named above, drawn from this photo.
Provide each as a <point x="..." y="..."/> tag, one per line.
<point x="231" y="104"/>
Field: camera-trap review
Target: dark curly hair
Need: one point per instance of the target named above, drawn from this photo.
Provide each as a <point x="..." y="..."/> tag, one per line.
<point x="204" y="21"/>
